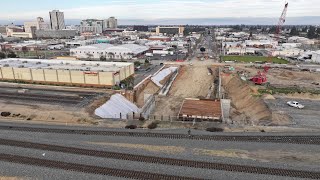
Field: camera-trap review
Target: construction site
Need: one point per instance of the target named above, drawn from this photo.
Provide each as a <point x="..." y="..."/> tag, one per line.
<point x="257" y="102"/>
<point x="199" y="91"/>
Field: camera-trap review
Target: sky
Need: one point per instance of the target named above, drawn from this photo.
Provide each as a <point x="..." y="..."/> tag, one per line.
<point x="13" y="10"/>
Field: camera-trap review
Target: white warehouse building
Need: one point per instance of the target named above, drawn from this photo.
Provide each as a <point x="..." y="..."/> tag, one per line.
<point x="96" y="51"/>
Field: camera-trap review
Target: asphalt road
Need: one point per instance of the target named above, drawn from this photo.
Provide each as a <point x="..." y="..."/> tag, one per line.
<point x="172" y="148"/>
<point x="141" y="74"/>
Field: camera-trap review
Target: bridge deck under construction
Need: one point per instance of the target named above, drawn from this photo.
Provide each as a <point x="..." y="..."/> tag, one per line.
<point x="203" y="109"/>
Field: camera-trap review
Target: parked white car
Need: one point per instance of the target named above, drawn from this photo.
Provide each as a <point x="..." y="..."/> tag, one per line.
<point x="295" y="104"/>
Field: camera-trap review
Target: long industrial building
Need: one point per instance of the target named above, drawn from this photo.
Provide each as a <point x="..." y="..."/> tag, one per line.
<point x="64" y="72"/>
<point x="96" y="51"/>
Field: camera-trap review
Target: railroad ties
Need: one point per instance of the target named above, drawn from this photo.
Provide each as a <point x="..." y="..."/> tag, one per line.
<point x="137" y="158"/>
<point x="312" y="140"/>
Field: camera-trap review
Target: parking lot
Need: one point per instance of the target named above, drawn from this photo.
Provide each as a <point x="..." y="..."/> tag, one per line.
<point x="141" y="74"/>
<point x="309" y="116"/>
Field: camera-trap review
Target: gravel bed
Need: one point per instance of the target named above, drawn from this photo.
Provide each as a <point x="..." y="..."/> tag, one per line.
<point x="175" y="131"/>
<point x="155" y="168"/>
<point x="306" y="117"/>
<point x="41" y="173"/>
<point x="187" y="153"/>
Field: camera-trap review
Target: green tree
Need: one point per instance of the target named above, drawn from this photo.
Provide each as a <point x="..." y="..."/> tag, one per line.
<point x="294" y="31"/>
<point x="305" y="29"/>
<point x="137" y="63"/>
<point x="103" y="58"/>
<point x="24" y="50"/>
<point x="318" y="32"/>
<point x="2" y="55"/>
<point x="273" y="29"/>
<point x="251" y="35"/>
<point x="12" y="55"/>
<point x="312" y="32"/>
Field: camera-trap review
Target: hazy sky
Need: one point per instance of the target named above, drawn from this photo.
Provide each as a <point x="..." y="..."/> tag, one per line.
<point x="155" y="9"/>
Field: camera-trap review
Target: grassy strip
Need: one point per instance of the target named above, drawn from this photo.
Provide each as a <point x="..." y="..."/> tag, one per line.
<point x="248" y="59"/>
<point x="273" y="90"/>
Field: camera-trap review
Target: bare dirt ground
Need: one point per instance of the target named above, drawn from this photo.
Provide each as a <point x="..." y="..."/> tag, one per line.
<point x="278" y="116"/>
<point x="14" y="178"/>
<point x="289" y="78"/>
<point x="246" y="107"/>
<point x="44" y="113"/>
<point x="286" y="77"/>
<point x="192" y="82"/>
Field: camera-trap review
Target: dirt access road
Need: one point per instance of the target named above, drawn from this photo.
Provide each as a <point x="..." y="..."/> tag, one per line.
<point x="192" y="82"/>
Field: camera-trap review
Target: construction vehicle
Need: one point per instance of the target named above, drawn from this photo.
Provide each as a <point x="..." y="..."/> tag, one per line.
<point x="261" y="77"/>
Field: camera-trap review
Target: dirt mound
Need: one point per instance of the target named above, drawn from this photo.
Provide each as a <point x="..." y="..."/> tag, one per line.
<point x="268" y="97"/>
<point x="280" y="119"/>
<point x="245" y="103"/>
<point x="286" y="74"/>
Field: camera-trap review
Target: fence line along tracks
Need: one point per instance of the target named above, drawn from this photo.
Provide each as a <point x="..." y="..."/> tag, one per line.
<point x="89" y="169"/>
<point x="144" y="159"/>
<point x="312" y="140"/>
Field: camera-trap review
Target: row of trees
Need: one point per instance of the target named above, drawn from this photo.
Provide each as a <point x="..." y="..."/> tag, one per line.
<point x="9" y="55"/>
<point x="312" y="31"/>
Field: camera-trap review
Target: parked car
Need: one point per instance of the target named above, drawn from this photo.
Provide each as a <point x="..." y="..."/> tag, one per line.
<point x="295" y="104"/>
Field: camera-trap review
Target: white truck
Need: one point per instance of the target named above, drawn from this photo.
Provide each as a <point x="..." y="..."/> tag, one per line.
<point x="149" y="54"/>
<point x="295" y="104"/>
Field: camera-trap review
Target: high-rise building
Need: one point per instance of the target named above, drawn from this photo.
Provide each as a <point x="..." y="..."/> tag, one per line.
<point x="111" y="23"/>
<point x="57" y="20"/>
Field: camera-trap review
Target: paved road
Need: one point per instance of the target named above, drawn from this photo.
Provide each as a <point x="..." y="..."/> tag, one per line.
<point x="224" y="152"/>
<point x="143" y="73"/>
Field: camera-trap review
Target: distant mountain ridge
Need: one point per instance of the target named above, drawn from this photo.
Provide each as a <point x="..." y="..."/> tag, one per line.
<point x="307" y="20"/>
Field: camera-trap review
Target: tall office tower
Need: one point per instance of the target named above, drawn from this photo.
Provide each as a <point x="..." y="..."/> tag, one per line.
<point x="56" y="20"/>
<point x="112" y="23"/>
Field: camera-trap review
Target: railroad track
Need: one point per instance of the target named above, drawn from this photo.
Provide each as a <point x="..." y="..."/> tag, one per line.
<point x="45" y="98"/>
<point x="312" y="140"/>
<point x="163" y="161"/>
<point x="89" y="169"/>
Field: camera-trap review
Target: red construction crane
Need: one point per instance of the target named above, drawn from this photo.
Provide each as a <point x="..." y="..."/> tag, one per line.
<point x="261" y="77"/>
<point x="281" y="21"/>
